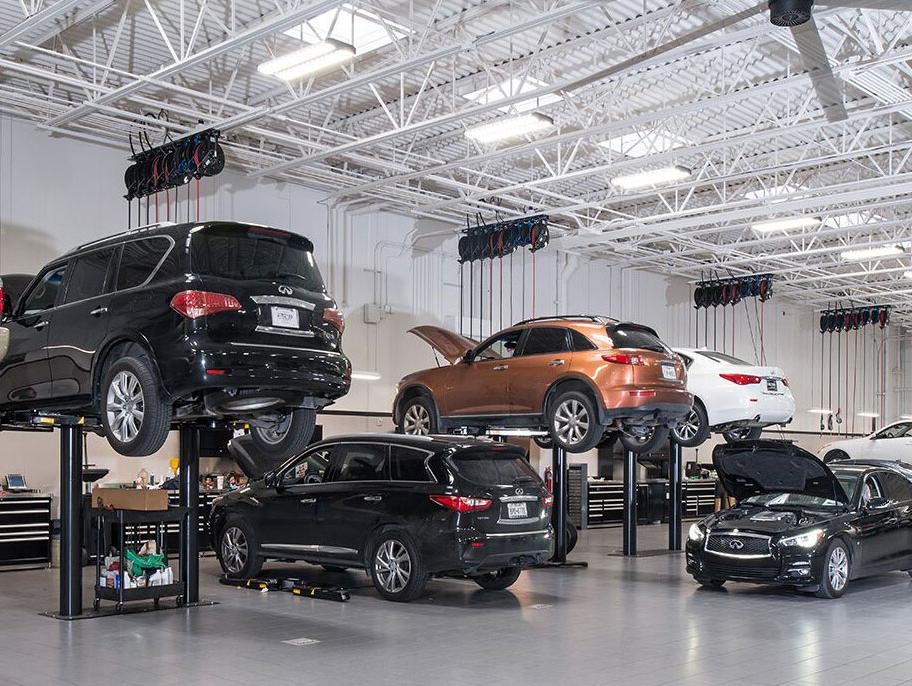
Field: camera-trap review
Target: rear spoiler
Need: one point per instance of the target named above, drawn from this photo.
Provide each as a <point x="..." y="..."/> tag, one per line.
<point x="638" y="327"/>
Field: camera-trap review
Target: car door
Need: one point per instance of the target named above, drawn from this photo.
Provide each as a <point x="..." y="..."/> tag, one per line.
<point x="78" y="326"/>
<point x="544" y="357"/>
<point x="898" y="491"/>
<point x="350" y="505"/>
<point x="25" y="374"/>
<point x="873" y="523"/>
<point x="890" y="443"/>
<point x="480" y="387"/>
<point x="288" y="521"/>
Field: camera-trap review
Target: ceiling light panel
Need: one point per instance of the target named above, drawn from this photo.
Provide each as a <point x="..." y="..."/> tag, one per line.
<point x="873" y="253"/>
<point x="653" y="177"/>
<point x="786" y="224"/>
<point x="506" y="128"/>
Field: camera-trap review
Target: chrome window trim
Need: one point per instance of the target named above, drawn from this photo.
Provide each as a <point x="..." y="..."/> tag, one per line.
<point x="283" y="300"/>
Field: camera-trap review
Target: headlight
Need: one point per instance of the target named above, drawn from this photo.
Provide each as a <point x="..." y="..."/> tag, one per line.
<point x="809" y="539"/>
<point x="696" y="533"/>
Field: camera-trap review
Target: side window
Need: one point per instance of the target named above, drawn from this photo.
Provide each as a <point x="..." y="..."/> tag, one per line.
<point x="686" y="359"/>
<point x="896" y="488"/>
<point x="500" y="348"/>
<point x="895" y="431"/>
<point x="871" y="490"/>
<point x="139" y="259"/>
<point x="579" y="342"/>
<point x="44" y="295"/>
<point x="544" y="340"/>
<point x="361" y="462"/>
<point x="408" y="464"/>
<point x="87" y="276"/>
<point x="309" y="469"/>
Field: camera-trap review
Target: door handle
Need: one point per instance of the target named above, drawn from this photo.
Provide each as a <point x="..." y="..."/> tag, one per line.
<point x="556" y="363"/>
<point x="500" y="367"/>
<point x="40" y="325"/>
<point x="373" y="498"/>
<point x="98" y="310"/>
<point x="308" y="501"/>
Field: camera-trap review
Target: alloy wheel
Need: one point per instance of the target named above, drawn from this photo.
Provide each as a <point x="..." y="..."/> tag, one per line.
<point x="571" y="421"/>
<point x="838" y="569"/>
<point x="125" y="406"/>
<point x="234" y="549"/>
<point x="416" y="421"/>
<point x="276" y="431"/>
<point x="393" y="566"/>
<point x="687" y="429"/>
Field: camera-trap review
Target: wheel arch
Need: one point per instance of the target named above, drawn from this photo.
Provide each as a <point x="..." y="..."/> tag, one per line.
<point x="374" y="533"/>
<point x="126" y="342"/>
<point x="414" y="391"/>
<point x="570" y="383"/>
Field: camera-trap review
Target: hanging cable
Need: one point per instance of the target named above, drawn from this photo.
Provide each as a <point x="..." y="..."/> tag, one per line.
<point x="512" y="285"/>
<point x="534" y="285"/>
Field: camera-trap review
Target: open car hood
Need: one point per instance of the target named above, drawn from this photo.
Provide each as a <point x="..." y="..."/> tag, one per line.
<point x="449" y="344"/>
<point x="749" y="468"/>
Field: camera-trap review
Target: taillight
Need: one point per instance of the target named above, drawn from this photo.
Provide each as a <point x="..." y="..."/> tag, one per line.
<point x="334" y="318"/>
<point x="548" y="500"/>
<point x="461" y="503"/>
<point x="785" y="382"/>
<point x="624" y="358"/>
<point x="741" y="379"/>
<point x="193" y="304"/>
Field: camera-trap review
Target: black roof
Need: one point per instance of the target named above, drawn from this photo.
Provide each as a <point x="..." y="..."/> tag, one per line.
<point x="435" y="443"/>
<point x="862" y="465"/>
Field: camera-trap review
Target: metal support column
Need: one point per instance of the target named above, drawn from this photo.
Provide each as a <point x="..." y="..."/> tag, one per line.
<point x="70" y="520"/>
<point x="630" y="503"/>
<point x="674" y="495"/>
<point x="189" y="498"/>
<point x="559" y="509"/>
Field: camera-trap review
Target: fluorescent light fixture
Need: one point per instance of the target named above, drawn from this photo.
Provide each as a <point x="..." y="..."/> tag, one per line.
<point x="819" y="410"/>
<point x="872" y="253"/>
<point x="365" y="30"/>
<point x="639" y="144"/>
<point x="869" y="415"/>
<point x="511" y="87"/>
<point x="653" y="177"/>
<point x="509" y="127"/>
<point x="307" y="61"/>
<point x="366" y="376"/>
<point x="786" y="224"/>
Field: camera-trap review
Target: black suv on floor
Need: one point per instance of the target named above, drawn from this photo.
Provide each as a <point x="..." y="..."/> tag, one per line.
<point x="403" y="507"/>
<point x="178" y="322"/>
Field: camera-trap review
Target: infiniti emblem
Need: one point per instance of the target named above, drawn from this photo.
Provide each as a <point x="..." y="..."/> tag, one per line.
<point x="519" y="491"/>
<point x="285" y="290"/>
<point x="736" y="544"/>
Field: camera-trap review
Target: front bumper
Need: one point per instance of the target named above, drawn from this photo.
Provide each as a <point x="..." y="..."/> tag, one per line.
<point x="470" y="551"/>
<point x="785" y="569"/>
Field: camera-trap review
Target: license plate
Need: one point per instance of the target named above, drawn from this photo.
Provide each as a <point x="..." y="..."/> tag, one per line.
<point x="772" y="385"/>
<point x="668" y="371"/>
<point x="517" y="511"/>
<point x="286" y="317"/>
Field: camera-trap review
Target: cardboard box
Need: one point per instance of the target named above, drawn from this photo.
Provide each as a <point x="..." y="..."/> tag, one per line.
<point x="147" y="499"/>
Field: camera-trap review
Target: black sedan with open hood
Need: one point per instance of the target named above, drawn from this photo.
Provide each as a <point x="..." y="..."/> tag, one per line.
<point x="800" y="522"/>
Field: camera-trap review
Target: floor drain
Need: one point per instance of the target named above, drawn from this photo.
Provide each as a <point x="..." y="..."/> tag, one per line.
<point x="301" y="641"/>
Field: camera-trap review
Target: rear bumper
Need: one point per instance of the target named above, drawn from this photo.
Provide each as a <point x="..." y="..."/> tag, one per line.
<point x="752" y="409"/>
<point x="469" y="551"/>
<point x="629" y="406"/>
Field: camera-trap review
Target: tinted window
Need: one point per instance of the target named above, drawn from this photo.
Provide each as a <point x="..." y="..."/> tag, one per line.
<point x="722" y="357"/>
<point x="579" y="342"/>
<point x="492" y="468"/>
<point x="870" y="490"/>
<point x="44" y="295"/>
<point x="87" y="277"/>
<point x="407" y="464"/>
<point x="361" y="462"/>
<point x="500" y="348"/>
<point x="632" y="337"/>
<point x="896" y="488"/>
<point x="543" y="340"/>
<point x="139" y="259"/>
<point x="309" y="469"/>
<point x="255" y="253"/>
<point x="686" y="360"/>
<point x="895" y="431"/>
<point x="849" y="483"/>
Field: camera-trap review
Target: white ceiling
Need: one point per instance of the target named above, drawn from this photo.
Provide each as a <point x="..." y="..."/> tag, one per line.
<point x="631" y="85"/>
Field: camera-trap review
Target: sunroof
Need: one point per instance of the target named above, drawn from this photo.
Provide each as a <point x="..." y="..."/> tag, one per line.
<point x="360" y="28"/>
<point x="510" y="87"/>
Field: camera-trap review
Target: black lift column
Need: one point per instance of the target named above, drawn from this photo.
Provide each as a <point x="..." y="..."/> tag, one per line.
<point x="70" y="518"/>
<point x="674" y="495"/>
<point x="189" y="498"/>
<point x="630" y="503"/>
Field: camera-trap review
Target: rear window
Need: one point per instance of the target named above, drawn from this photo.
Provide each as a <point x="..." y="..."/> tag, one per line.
<point x="492" y="468"/>
<point x="632" y="337"/>
<point x="722" y="357"/>
<point x="255" y="253"/>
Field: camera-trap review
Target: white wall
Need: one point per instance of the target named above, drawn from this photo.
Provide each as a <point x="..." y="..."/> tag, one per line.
<point x="56" y="193"/>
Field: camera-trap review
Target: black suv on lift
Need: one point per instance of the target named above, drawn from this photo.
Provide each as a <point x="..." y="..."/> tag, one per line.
<point x="211" y="320"/>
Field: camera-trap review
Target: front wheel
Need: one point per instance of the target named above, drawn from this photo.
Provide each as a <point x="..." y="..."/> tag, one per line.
<point x="418" y="418"/>
<point x="693" y="429"/>
<point x="238" y="550"/>
<point x="837" y="568"/>
<point x="135" y="419"/>
<point x="499" y="580"/>
<point x="644" y="439"/>
<point x="286" y="435"/>
<point x="747" y="433"/>
<point x="396" y="567"/>
<point x="574" y="422"/>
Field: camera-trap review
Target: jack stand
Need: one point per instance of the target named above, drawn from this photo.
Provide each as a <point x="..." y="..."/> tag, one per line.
<point x="559" y="512"/>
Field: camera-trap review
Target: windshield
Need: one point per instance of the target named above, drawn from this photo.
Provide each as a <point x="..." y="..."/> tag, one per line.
<point x="722" y="357"/>
<point x="849" y="483"/>
<point x="789" y="500"/>
<point x="492" y="469"/>
<point x="255" y="252"/>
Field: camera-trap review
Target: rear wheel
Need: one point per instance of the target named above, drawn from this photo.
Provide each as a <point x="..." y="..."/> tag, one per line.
<point x="644" y="439"/>
<point x="747" y="433"/>
<point x="574" y="422"/>
<point x="499" y="580"/>
<point x="238" y="550"/>
<point x="135" y="419"/>
<point x="396" y="567"/>
<point x="837" y="568"/>
<point x="418" y="418"/>
<point x="286" y="435"/>
<point x="835" y="455"/>
<point x="693" y="429"/>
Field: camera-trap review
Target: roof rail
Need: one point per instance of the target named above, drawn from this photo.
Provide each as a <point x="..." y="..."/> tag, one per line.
<point x="562" y="317"/>
<point x="128" y="232"/>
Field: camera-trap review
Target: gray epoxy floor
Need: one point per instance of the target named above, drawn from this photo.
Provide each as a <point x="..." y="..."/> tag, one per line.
<point x="640" y="621"/>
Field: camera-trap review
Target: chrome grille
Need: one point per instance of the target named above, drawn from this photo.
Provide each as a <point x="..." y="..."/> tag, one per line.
<point x="738" y="545"/>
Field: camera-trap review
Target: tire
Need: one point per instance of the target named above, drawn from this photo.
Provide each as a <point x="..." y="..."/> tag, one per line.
<point x="418" y="417"/>
<point x="238" y="550"/>
<point x="544" y="442"/>
<point x="837" y="570"/>
<point x="134" y="417"/>
<point x="573" y="422"/>
<point x="572" y="536"/>
<point x="647" y="443"/>
<point x="694" y="429"/>
<point x="499" y="580"/>
<point x="404" y="581"/>
<point x="710" y="583"/>
<point x="748" y="433"/>
<point x="834" y="455"/>
<point x="288" y="437"/>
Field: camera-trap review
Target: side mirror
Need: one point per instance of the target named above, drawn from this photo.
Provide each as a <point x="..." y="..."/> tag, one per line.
<point x="468" y="357"/>
<point x="875" y="504"/>
<point x="270" y="479"/>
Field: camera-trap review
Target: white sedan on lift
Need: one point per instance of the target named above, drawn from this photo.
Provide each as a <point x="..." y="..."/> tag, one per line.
<point x="731" y="397"/>
<point x="893" y="442"/>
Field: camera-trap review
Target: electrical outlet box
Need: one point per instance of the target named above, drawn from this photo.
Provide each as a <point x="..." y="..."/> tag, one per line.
<point x="373" y="314"/>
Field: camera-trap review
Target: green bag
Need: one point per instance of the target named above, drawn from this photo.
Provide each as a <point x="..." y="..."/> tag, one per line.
<point x="137" y="564"/>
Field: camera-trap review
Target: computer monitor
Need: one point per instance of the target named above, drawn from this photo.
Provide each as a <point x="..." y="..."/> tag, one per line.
<point x="15" y="482"/>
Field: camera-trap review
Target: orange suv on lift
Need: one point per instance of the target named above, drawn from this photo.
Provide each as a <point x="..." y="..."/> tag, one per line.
<point x="586" y="380"/>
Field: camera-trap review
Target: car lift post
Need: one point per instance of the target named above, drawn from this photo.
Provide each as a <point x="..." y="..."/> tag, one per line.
<point x="189" y="498"/>
<point x="71" y="433"/>
<point x="559" y="492"/>
<point x="630" y="503"/>
<point x="674" y="495"/>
